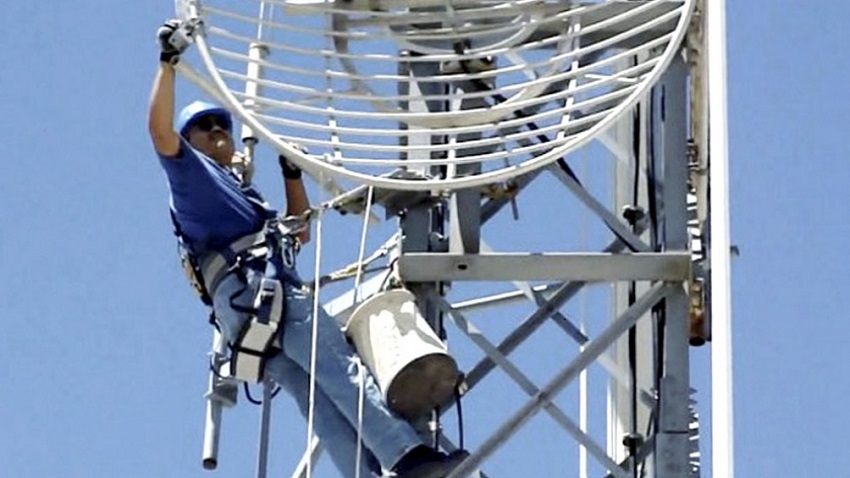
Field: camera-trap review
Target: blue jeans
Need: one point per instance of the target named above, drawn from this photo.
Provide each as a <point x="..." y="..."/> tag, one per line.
<point x="386" y="438"/>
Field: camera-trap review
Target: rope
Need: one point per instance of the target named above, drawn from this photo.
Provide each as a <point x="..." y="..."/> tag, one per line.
<point x="318" y="213"/>
<point x="359" y="275"/>
<point x="356" y="268"/>
<point x="314" y="338"/>
<point x="360" y="377"/>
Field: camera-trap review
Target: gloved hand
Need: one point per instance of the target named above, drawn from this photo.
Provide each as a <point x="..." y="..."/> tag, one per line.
<point x="169" y="53"/>
<point x="290" y="171"/>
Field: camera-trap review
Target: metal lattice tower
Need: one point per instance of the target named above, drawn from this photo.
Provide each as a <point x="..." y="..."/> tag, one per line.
<point x="450" y="113"/>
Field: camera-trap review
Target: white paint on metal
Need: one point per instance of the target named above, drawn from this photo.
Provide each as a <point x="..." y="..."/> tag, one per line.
<point x="722" y="422"/>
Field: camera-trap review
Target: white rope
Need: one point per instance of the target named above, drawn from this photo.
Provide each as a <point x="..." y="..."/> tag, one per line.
<point x="360" y="377"/>
<point x="369" y="197"/>
<point x="353" y="268"/>
<point x="319" y="214"/>
<point x="315" y="334"/>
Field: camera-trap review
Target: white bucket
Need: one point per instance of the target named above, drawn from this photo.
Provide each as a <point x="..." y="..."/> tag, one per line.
<point x="408" y="360"/>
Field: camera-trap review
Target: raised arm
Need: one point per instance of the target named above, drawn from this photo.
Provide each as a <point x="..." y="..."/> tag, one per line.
<point x="166" y="141"/>
<point x="296" y="195"/>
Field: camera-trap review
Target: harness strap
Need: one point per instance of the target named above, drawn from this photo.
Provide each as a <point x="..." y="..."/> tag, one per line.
<point x="215" y="265"/>
<point x="255" y="342"/>
<point x="189" y="262"/>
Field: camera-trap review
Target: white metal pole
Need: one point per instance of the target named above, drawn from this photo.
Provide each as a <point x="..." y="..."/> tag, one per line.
<point x="265" y="420"/>
<point x="722" y="444"/>
<point x="212" y="432"/>
<point x="257" y="52"/>
<point x="216" y="396"/>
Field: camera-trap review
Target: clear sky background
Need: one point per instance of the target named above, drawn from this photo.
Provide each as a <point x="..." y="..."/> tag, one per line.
<point x="102" y="364"/>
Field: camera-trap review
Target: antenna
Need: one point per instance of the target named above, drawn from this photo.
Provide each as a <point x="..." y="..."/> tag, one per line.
<point x="450" y="111"/>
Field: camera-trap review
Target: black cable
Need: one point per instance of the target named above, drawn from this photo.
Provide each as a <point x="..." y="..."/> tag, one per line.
<point x="652" y="206"/>
<point x="633" y="406"/>
<point x="255" y="401"/>
<point x="657" y="311"/>
<point x="385" y="282"/>
<point x="245" y="384"/>
<point x="248" y="395"/>
<point x="657" y="244"/>
<point x="459" y="415"/>
<point x="632" y="339"/>
<point x="214" y="370"/>
<point x="661" y="320"/>
<point x="636" y="143"/>
<point x="632" y="297"/>
<point x="649" y="427"/>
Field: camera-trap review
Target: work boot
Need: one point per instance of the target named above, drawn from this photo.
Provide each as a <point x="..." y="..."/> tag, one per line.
<point x="425" y="462"/>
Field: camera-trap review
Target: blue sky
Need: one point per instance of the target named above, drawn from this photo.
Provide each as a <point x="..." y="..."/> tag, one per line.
<point x="103" y="346"/>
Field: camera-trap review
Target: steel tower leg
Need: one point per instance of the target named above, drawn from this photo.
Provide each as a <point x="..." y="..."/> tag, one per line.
<point x="671" y="166"/>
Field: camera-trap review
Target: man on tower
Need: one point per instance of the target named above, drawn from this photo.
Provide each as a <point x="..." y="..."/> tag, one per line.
<point x="245" y="263"/>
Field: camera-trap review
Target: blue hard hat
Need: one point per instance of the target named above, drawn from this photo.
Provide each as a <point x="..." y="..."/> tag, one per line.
<point x="191" y="113"/>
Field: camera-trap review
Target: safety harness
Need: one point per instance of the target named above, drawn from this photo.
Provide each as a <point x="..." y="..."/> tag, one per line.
<point x="256" y="340"/>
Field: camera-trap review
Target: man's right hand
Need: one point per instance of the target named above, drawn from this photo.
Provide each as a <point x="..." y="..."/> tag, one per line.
<point x="169" y="53"/>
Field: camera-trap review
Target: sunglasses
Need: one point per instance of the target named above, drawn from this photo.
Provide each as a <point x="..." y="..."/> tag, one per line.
<point x="208" y="122"/>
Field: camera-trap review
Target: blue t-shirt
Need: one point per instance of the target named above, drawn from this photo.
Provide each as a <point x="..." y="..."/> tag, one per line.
<point x="211" y="206"/>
